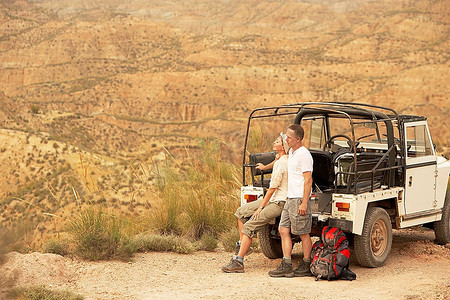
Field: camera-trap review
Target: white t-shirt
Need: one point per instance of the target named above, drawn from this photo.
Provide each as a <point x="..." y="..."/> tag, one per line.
<point x="299" y="161"/>
<point x="279" y="180"/>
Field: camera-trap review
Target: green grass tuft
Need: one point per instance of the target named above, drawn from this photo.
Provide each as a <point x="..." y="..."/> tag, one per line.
<point x="168" y="243"/>
<point x="199" y="198"/>
<point x="57" y="246"/>
<point x="99" y="236"/>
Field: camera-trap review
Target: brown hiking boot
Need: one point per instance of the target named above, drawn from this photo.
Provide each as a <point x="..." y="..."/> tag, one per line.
<point x="303" y="269"/>
<point x="283" y="270"/>
<point x="234" y="266"/>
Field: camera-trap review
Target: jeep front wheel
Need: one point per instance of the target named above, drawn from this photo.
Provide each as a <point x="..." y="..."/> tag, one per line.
<point x="442" y="227"/>
<point x="373" y="246"/>
<point x="270" y="246"/>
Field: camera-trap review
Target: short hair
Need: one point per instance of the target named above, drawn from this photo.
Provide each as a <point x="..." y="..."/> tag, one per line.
<point x="298" y="130"/>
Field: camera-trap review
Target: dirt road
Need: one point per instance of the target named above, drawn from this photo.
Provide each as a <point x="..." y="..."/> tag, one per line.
<point x="416" y="269"/>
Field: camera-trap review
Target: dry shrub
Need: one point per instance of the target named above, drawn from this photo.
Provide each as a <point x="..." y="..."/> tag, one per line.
<point x="197" y="199"/>
<point x="161" y="243"/>
<point x="40" y="292"/>
<point x="98" y="235"/>
<point x="229" y="239"/>
<point x="207" y="242"/>
<point x="60" y="246"/>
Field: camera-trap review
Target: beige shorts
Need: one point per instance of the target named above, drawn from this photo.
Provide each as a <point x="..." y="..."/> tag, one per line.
<point x="299" y="224"/>
<point x="269" y="212"/>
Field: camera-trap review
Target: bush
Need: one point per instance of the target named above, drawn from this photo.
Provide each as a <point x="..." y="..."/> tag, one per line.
<point x="35" y="108"/>
<point x="40" y="292"/>
<point x="99" y="236"/>
<point x="57" y="246"/>
<point x="166" y="218"/>
<point x="155" y="242"/>
<point x="229" y="239"/>
<point x="198" y="199"/>
<point x="208" y="242"/>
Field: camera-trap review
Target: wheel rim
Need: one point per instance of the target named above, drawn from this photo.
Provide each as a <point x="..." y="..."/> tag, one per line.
<point x="378" y="238"/>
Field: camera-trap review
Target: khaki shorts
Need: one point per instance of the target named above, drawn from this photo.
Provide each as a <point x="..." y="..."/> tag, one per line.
<point x="299" y="224"/>
<point x="269" y="212"/>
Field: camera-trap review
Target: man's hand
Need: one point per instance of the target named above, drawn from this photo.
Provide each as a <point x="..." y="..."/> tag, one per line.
<point x="256" y="214"/>
<point x="302" y="208"/>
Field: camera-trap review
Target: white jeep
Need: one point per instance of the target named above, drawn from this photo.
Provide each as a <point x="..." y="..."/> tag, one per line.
<point x="374" y="170"/>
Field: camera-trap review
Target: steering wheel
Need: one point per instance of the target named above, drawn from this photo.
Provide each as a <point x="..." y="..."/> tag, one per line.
<point x="350" y="142"/>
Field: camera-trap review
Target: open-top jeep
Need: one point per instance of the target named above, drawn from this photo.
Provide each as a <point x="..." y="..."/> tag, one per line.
<point x="374" y="170"/>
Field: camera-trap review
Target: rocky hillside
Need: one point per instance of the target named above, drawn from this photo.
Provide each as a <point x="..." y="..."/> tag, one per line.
<point x="90" y="88"/>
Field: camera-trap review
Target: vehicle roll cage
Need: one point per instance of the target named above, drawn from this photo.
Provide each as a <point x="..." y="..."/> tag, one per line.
<point x="354" y="112"/>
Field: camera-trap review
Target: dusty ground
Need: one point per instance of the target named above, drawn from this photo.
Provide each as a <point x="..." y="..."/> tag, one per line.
<point x="416" y="269"/>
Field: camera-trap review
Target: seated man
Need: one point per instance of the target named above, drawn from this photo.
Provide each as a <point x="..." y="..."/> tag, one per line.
<point x="261" y="211"/>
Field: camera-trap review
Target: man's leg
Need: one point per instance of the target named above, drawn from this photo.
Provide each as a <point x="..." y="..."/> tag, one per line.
<point x="286" y="241"/>
<point x="307" y="246"/>
<point x="285" y="268"/>
<point x="303" y="269"/>
<point x="303" y="228"/>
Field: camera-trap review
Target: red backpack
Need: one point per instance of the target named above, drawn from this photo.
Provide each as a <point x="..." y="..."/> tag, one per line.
<point x="330" y="256"/>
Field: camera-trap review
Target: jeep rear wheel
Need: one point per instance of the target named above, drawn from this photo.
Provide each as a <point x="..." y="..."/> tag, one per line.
<point x="442" y="227"/>
<point x="373" y="246"/>
<point x="270" y="246"/>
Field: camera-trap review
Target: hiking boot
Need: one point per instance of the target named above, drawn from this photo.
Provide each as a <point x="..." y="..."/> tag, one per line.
<point x="283" y="270"/>
<point x="303" y="269"/>
<point x="234" y="266"/>
<point x="238" y="247"/>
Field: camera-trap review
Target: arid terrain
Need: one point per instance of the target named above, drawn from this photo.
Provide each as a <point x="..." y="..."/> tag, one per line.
<point x="416" y="269"/>
<point x="93" y="94"/>
<point x="91" y="90"/>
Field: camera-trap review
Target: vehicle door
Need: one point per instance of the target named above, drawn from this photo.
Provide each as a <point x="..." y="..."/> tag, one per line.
<point x="420" y="180"/>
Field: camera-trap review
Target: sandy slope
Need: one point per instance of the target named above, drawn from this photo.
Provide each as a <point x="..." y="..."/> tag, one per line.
<point x="416" y="269"/>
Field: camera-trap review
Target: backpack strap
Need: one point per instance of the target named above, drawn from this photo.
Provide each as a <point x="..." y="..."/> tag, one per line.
<point x="332" y="265"/>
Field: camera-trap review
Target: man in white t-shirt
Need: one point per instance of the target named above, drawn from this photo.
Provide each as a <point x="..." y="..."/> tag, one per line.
<point x="296" y="215"/>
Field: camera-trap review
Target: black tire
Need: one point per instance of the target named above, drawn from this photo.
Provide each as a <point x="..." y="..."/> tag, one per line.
<point x="270" y="246"/>
<point x="442" y="227"/>
<point x="373" y="246"/>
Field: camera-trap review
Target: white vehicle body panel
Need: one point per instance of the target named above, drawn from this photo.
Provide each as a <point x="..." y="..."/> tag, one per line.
<point x="420" y="179"/>
<point x="251" y="190"/>
<point x="443" y="173"/>
<point x="359" y="204"/>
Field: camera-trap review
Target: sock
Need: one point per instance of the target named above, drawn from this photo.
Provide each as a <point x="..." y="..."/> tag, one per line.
<point x="287" y="259"/>
<point x="238" y="258"/>
<point x="308" y="260"/>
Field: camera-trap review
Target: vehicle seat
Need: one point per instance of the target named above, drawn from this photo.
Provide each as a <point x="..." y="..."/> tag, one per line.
<point x="363" y="181"/>
<point x="323" y="170"/>
<point x="263" y="158"/>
